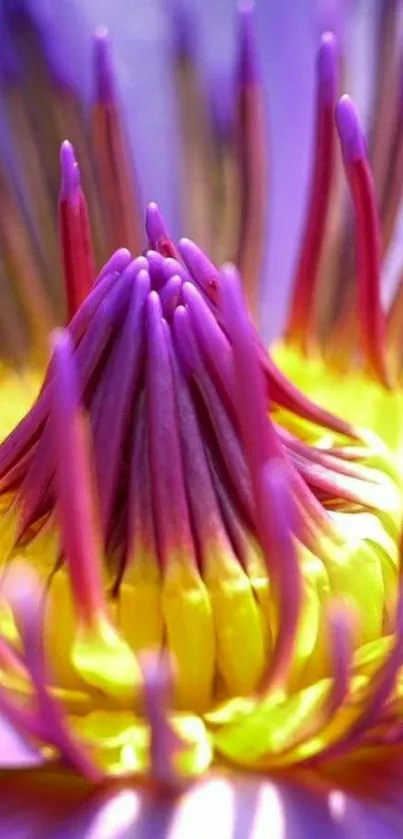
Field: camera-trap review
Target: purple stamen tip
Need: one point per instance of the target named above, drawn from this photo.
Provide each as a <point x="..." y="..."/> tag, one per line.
<point x="247" y="44"/>
<point x="155" y="225"/>
<point x="104" y="75"/>
<point x="327" y="68"/>
<point x="350" y="133"/>
<point x="70" y="172"/>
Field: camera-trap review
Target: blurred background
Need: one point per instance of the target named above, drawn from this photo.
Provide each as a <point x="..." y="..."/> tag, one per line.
<point x="175" y="65"/>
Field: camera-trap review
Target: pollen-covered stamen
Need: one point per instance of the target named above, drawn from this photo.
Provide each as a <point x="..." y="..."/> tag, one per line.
<point x="27" y="602"/>
<point x="370" y="314"/>
<point x="112" y="155"/>
<point x="300" y="327"/>
<point x="252" y="159"/>
<point x="75" y="233"/>
<point x="158" y="236"/>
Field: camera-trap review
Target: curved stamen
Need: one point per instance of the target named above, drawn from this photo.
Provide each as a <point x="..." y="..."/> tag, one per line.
<point x="300" y="327"/>
<point x="371" y="316"/>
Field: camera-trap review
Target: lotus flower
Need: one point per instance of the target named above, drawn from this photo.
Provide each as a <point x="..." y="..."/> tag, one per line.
<point x="200" y="539"/>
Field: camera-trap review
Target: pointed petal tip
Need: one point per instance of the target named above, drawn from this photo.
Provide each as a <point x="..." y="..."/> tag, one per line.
<point x="104" y="75"/>
<point x="60" y="340"/>
<point x="70" y="171"/>
<point x="197" y="263"/>
<point x="327" y="67"/>
<point x="350" y="132"/>
<point x="155" y="225"/>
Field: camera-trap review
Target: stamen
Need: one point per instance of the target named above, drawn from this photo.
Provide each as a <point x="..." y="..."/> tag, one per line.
<point x="185" y="601"/>
<point x="300" y="328"/>
<point x="282" y="391"/>
<point x="371" y="316"/>
<point x="386" y="80"/>
<point x="341" y="626"/>
<point x="116" y="264"/>
<point x="21" y="263"/>
<point x="237" y="617"/>
<point x="139" y="581"/>
<point x="170" y="296"/>
<point x="120" y="387"/>
<point x="269" y="474"/>
<point x="260" y="439"/>
<point x="173" y="526"/>
<point x="75" y="233"/>
<point x="111" y="153"/>
<point x="100" y="657"/>
<point x="212" y="341"/>
<point x="79" y="532"/>
<point x="172" y="267"/>
<point x="26" y="599"/>
<point x="390" y="202"/>
<point x="252" y="159"/>
<point x="165" y="745"/>
<point x="158" y="236"/>
<point x="394" y="326"/>
<point x="93" y="336"/>
<point x="202" y="270"/>
<point x="384" y="680"/>
<point x="224" y="431"/>
<point x="156" y="268"/>
<point x="278" y="513"/>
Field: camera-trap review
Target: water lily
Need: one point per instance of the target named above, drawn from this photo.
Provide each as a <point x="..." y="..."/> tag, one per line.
<point x="200" y="539"/>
